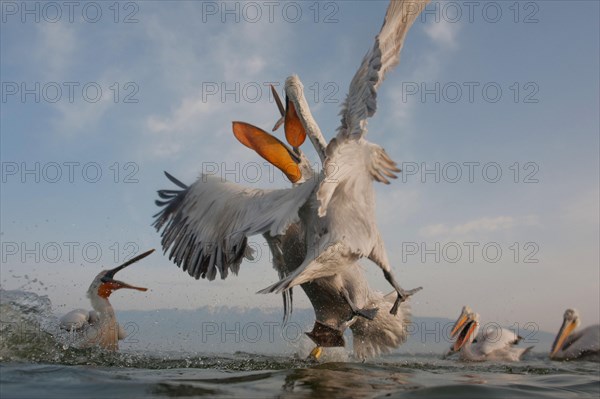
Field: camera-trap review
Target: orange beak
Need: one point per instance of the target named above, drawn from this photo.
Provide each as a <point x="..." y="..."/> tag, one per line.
<point x="565" y="330"/>
<point x="109" y="284"/>
<point x="107" y="288"/>
<point x="268" y="147"/>
<point x="294" y="131"/>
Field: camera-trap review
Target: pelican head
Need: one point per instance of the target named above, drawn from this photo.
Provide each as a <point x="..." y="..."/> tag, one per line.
<point x="570" y="322"/>
<point x="462" y="319"/>
<point x="467" y="330"/>
<point x="105" y="284"/>
<point x="291" y="161"/>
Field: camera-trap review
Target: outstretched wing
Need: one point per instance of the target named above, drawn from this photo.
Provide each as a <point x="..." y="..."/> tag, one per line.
<point x="206" y="225"/>
<point x="361" y="101"/>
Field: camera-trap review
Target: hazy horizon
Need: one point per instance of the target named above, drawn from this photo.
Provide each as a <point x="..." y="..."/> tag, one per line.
<point x="492" y="117"/>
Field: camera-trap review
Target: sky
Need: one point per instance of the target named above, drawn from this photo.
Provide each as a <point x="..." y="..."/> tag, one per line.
<point x="492" y="114"/>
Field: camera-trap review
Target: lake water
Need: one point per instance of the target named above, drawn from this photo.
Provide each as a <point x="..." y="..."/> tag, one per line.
<point x="39" y="365"/>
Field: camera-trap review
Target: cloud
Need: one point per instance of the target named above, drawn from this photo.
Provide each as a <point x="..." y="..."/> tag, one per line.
<point x="226" y="66"/>
<point x="57" y="45"/>
<point x="481" y="225"/>
<point x="443" y="33"/>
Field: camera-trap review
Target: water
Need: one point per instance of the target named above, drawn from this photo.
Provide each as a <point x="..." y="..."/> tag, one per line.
<point x="42" y="365"/>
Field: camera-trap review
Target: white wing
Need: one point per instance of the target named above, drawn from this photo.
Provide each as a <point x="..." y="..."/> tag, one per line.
<point x="493" y="338"/>
<point x="582" y="342"/>
<point x="359" y="161"/>
<point x="206" y="225"/>
<point x="361" y="101"/>
<point x="76" y="320"/>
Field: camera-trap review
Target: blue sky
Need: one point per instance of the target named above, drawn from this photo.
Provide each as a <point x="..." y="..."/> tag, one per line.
<point x="545" y="125"/>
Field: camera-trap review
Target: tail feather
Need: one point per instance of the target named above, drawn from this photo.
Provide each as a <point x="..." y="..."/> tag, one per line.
<point x="385" y="332"/>
<point x="281" y="285"/>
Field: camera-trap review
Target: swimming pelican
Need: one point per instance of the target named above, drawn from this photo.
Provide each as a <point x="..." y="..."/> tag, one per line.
<point x="99" y="327"/>
<point x="341" y="213"/>
<point x="493" y="343"/>
<point x="582" y="344"/>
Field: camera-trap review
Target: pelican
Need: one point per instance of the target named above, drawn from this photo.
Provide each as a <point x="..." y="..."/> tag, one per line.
<point x="583" y="344"/>
<point x="340" y="301"/>
<point x="99" y="327"/>
<point x="206" y="226"/>
<point x="492" y="343"/>
<point x="340" y="212"/>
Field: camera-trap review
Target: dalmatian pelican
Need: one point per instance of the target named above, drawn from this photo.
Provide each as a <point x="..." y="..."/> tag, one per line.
<point x="205" y="226"/>
<point x="570" y="344"/>
<point x="340" y="212"/>
<point x="340" y="301"/>
<point x="99" y="327"/>
<point x="492" y="343"/>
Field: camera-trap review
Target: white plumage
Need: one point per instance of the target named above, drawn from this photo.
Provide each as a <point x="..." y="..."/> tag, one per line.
<point x="316" y="230"/>
<point x="99" y="327"/>
<point x="572" y="345"/>
<point x="491" y="343"/>
<point x="341" y="214"/>
<point x="207" y="224"/>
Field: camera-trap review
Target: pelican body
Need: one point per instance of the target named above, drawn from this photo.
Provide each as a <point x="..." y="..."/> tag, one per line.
<point x="342" y="301"/>
<point x="205" y="227"/>
<point x="572" y="345"/>
<point x="340" y="212"/>
<point x="339" y="301"/>
<point x="492" y="343"/>
<point x="99" y="327"/>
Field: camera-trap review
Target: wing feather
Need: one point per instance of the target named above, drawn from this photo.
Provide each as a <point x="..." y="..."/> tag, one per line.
<point x="206" y="225"/>
<point x="361" y="101"/>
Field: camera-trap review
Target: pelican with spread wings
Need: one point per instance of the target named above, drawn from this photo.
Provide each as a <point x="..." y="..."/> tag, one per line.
<point x="206" y="225"/>
<point x="340" y="213"/>
<point x="338" y="300"/>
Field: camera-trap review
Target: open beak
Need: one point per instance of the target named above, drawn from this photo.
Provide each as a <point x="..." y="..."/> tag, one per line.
<point x="280" y="107"/>
<point x="565" y="330"/>
<point x="294" y="130"/>
<point x="109" y="284"/>
<point x="465" y="335"/>
<point x="462" y="319"/>
<point x="270" y="148"/>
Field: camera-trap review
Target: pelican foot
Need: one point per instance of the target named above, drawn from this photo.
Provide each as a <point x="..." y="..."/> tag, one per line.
<point x="368" y="314"/>
<point x="403" y="296"/>
<point x="315" y="354"/>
